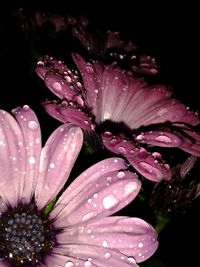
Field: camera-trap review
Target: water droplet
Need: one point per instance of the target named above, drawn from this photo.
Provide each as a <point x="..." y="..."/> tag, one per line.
<point x="57" y="86"/>
<point x="110" y="201"/>
<point x="163" y="139"/>
<point x="140" y="137"/>
<point x="130" y="188"/>
<point x="88" y="216"/>
<point x="26" y="107"/>
<point x="121" y="174"/>
<point x="140" y="245"/>
<point x="89" y="69"/>
<point x="69" y="264"/>
<point x="143" y="154"/>
<point x="88" y="264"/>
<point x="150" y="169"/>
<point x="105" y="244"/>
<point x="107" y="255"/>
<point x="107" y="134"/>
<point x="33" y="125"/>
<point x="52" y="165"/>
<point x="131" y="260"/>
<point x="122" y="150"/>
<point x="32" y="160"/>
<point x="114" y="142"/>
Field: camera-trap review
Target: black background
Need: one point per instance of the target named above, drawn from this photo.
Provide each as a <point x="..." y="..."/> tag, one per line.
<point x="164" y="30"/>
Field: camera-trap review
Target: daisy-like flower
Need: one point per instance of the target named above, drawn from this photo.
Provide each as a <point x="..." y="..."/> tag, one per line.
<point x="78" y="231"/>
<point x="148" y="115"/>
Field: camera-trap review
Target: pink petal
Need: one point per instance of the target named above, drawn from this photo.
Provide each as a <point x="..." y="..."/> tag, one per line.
<point x="89" y="256"/>
<point x="13" y="159"/>
<point x="159" y="138"/>
<point x="100" y="191"/>
<point x="91" y="75"/>
<point x="65" y="113"/>
<point x="4" y="263"/>
<point x="139" y="158"/>
<point x="57" y="159"/>
<point x="131" y="236"/>
<point x="59" y="86"/>
<point x="187" y="165"/>
<point x="41" y="70"/>
<point x="30" y="128"/>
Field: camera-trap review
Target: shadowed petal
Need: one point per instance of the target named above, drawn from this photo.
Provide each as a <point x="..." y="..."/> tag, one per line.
<point x="91" y="75"/>
<point x="131" y="236"/>
<point x="57" y="159"/>
<point x="59" y="86"/>
<point x="139" y="158"/>
<point x="92" y="255"/>
<point x="159" y="138"/>
<point x="32" y="141"/>
<point x="12" y="159"/>
<point x="4" y="263"/>
<point x="100" y="191"/>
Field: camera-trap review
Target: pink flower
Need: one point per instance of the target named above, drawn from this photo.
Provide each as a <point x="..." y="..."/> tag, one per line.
<point x="79" y="230"/>
<point x="147" y="113"/>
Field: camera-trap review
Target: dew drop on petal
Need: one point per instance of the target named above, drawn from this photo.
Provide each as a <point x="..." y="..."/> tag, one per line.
<point x="163" y="139"/>
<point x="89" y="69"/>
<point x="140" y="245"/>
<point x="140" y="137"/>
<point x="32" y="160"/>
<point x="105" y="244"/>
<point x="143" y="154"/>
<point x="122" y="150"/>
<point x="57" y="86"/>
<point x="69" y="264"/>
<point x="107" y="255"/>
<point x="87" y="264"/>
<point x="88" y="216"/>
<point x="110" y="201"/>
<point x="129" y="188"/>
<point x="52" y="165"/>
<point x="26" y="107"/>
<point x="131" y="260"/>
<point x="121" y="174"/>
<point x="33" y="125"/>
<point x="151" y="170"/>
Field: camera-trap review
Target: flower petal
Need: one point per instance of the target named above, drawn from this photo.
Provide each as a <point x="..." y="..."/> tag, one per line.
<point x="91" y="75"/>
<point x="139" y="158"/>
<point x="100" y="191"/>
<point x="12" y="159"/>
<point x="30" y="128"/>
<point x="131" y="236"/>
<point x="57" y="159"/>
<point x="89" y="256"/>
<point x="65" y="113"/>
<point x="159" y="138"/>
<point x="4" y="263"/>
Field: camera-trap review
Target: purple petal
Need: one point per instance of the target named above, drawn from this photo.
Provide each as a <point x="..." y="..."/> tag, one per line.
<point x="100" y="191"/>
<point x="159" y="138"/>
<point x="59" y="86"/>
<point x="187" y="165"/>
<point x="91" y="75"/>
<point x="65" y="113"/>
<point x="12" y="159"/>
<point x="57" y="159"/>
<point x="30" y="128"/>
<point x="139" y="158"/>
<point x="89" y="256"/>
<point x="4" y="263"/>
<point x="131" y="236"/>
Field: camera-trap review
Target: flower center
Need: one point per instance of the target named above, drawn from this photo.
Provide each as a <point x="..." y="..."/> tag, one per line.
<point x="27" y="235"/>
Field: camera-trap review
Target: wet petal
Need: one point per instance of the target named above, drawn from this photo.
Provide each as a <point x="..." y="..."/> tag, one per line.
<point x="12" y="159"/>
<point x="159" y="138"/>
<point x="91" y="255"/>
<point x="131" y="236"/>
<point x="32" y="137"/>
<point x="65" y="113"/>
<point x="60" y="86"/>
<point x="100" y="191"/>
<point x="4" y="263"/>
<point x="139" y="158"/>
<point x="91" y="75"/>
<point x="57" y="159"/>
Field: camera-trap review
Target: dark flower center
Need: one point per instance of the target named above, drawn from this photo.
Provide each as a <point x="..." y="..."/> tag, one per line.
<point x="26" y="235"/>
